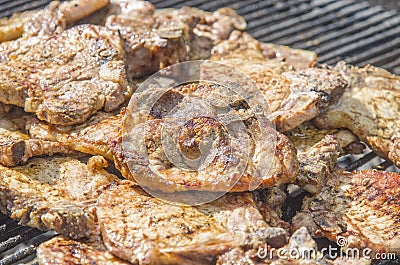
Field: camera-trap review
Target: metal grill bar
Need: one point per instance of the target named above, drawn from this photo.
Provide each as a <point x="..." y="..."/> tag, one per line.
<point x="385" y="50"/>
<point x="13" y="241"/>
<point x="321" y="20"/>
<point x="19" y="6"/>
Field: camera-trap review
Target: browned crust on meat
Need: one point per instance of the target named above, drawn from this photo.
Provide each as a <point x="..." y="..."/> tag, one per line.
<point x="362" y="206"/>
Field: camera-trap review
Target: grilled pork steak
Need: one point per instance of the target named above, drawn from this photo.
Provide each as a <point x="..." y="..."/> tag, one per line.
<point x="54" y="18"/>
<point x="293" y="97"/>
<point x="61" y="250"/>
<point x="300" y="240"/>
<point x="54" y="193"/>
<point x="361" y="206"/>
<point x="104" y="138"/>
<point x="67" y="77"/>
<point x="156" y="39"/>
<point x="145" y="230"/>
<point x="370" y="107"/>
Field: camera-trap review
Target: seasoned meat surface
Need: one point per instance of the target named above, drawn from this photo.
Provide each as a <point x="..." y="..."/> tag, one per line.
<point x="362" y="207"/>
<point x="61" y="250"/>
<point x="300" y="240"/>
<point x="293" y="97"/>
<point x="145" y="230"/>
<point x="54" y="193"/>
<point x="370" y="107"/>
<point x="156" y="39"/>
<point x="307" y="134"/>
<point x="67" y="77"/>
<point x="105" y="138"/>
<point x="317" y="163"/>
<point x="54" y="18"/>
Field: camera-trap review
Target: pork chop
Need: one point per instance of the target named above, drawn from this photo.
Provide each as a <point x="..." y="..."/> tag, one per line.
<point x="54" y="193"/>
<point x="156" y="39"/>
<point x="293" y="97"/>
<point x="370" y="107"/>
<point x="61" y="250"/>
<point x="362" y="207"/>
<point x="105" y="138"/>
<point x="67" y="77"/>
<point x="145" y="230"/>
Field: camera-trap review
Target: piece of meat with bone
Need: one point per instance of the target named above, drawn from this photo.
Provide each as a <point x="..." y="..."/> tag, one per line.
<point x="145" y="230"/>
<point x="363" y="207"/>
<point x="67" y="77"/>
<point x="156" y="39"/>
<point x="105" y="138"/>
<point x="293" y="97"/>
<point x="61" y="250"/>
<point x="370" y="107"/>
<point x="54" y="18"/>
<point x="55" y="193"/>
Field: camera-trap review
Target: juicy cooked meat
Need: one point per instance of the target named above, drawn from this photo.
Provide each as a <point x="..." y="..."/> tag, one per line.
<point x="61" y="250"/>
<point x="145" y="230"/>
<point x="4" y="108"/>
<point x="300" y="239"/>
<point x="370" y="107"/>
<point x="156" y="39"/>
<point x="54" y="193"/>
<point x="105" y="138"/>
<point x="243" y="45"/>
<point x="52" y="19"/>
<point x="306" y="135"/>
<point x="16" y="147"/>
<point x="299" y="59"/>
<point x="67" y="77"/>
<point x="363" y="207"/>
<point x="293" y="97"/>
<point x="317" y="163"/>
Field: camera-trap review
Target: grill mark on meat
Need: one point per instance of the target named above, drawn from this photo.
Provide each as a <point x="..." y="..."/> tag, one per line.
<point x="145" y="230"/>
<point x="54" y="193"/>
<point x="369" y="107"/>
<point x="67" y="77"/>
<point x="361" y="206"/>
<point x="293" y="97"/>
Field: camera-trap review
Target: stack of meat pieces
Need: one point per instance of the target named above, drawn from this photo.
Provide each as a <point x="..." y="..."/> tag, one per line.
<point x="63" y="96"/>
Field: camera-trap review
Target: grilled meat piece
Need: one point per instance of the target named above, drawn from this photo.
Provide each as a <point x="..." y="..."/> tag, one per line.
<point x="44" y="22"/>
<point x="317" y="163"/>
<point x="299" y="59"/>
<point x="243" y="45"/>
<point x="369" y="107"/>
<point x="16" y="147"/>
<point x="67" y="77"/>
<point x="293" y="97"/>
<point x="61" y="250"/>
<point x="156" y="39"/>
<point x="4" y="108"/>
<point x="307" y="135"/>
<point x="145" y="230"/>
<point x="363" y="207"/>
<point x="105" y="138"/>
<point x="300" y="240"/>
<point x="54" y="193"/>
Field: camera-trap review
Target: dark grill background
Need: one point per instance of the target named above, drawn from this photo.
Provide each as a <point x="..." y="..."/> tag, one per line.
<point x="350" y="30"/>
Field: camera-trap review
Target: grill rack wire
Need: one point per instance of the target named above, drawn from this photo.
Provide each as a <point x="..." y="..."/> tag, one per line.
<point x="349" y="30"/>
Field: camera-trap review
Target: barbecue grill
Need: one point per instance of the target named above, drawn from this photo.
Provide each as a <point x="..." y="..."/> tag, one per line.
<point x="350" y="30"/>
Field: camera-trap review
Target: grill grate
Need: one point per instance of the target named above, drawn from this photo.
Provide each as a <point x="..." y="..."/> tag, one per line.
<point x="348" y="30"/>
